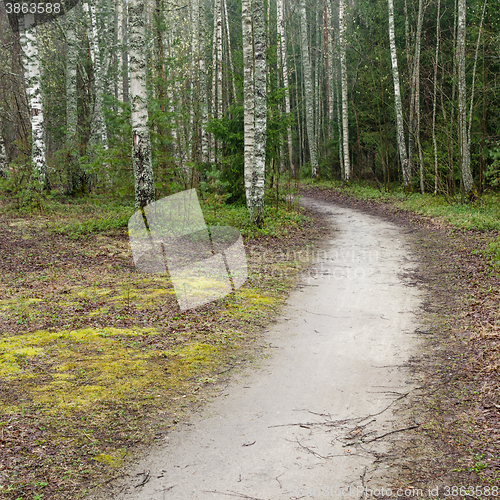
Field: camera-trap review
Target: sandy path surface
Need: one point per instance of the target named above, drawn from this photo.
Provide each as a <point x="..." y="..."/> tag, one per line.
<point x="300" y="424"/>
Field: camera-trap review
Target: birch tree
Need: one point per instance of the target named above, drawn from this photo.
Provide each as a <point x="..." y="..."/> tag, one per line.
<point x="141" y="143"/>
<point x="306" y="64"/>
<point x="397" y="101"/>
<point x="73" y="176"/>
<point x="4" y="161"/>
<point x="202" y="81"/>
<point x="434" y="98"/>
<point x="258" y="174"/>
<point x="255" y="107"/>
<point x="98" y="126"/>
<point x="284" y="67"/>
<point x="31" y="62"/>
<point x="466" y="174"/>
<point x="416" y="92"/>
<point x="248" y="99"/>
<point x="343" y="79"/>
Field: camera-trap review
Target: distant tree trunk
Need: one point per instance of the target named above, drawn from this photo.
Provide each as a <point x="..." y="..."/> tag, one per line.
<point x="202" y="75"/>
<point x="258" y="175"/>
<point x="434" y="100"/>
<point x="331" y="62"/>
<point x="326" y="50"/>
<point x="284" y="65"/>
<point x="397" y="99"/>
<point x="29" y="44"/>
<point x="218" y="45"/>
<point x="467" y="181"/>
<point x="73" y="172"/>
<point x="338" y="108"/>
<point x="231" y="66"/>
<point x="474" y="70"/>
<point x="416" y="71"/>
<point x="98" y="127"/>
<point x="4" y="161"/>
<point x="343" y="76"/>
<point x="141" y="144"/>
<point x="306" y="62"/>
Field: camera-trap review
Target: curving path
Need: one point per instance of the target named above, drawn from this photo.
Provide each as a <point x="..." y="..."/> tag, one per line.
<point x="304" y="423"/>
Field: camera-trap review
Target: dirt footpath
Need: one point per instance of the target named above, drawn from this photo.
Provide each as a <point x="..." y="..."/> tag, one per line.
<point x="311" y="420"/>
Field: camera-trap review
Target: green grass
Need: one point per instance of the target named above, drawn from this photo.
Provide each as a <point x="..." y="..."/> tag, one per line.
<point x="78" y="218"/>
<point x="484" y="215"/>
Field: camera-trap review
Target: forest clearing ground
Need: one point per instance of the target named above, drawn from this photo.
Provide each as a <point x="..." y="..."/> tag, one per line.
<point x="458" y="401"/>
<point x="96" y="360"/>
<point x="85" y="288"/>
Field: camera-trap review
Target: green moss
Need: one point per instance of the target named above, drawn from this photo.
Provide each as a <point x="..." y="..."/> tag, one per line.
<point x="113" y="459"/>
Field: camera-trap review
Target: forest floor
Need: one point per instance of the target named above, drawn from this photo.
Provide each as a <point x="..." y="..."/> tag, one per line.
<point x="458" y="402"/>
<point x="96" y="359"/>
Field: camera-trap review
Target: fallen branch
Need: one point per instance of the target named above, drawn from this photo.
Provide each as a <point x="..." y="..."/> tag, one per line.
<point x="233" y="494"/>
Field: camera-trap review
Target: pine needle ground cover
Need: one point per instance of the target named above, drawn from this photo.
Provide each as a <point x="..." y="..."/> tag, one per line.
<point x="96" y="359"/>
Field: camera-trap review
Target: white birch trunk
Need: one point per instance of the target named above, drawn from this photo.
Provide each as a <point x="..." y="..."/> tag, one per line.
<point x="4" y="161"/>
<point x="71" y="62"/>
<point x="73" y="171"/>
<point x="434" y="101"/>
<point x="306" y="62"/>
<point x="141" y="144"/>
<point x="98" y="127"/>
<point x="231" y="66"/>
<point x="467" y="181"/>
<point x="416" y="63"/>
<point x="284" y="66"/>
<point x="218" y="44"/>
<point x="29" y="45"/>
<point x="258" y="174"/>
<point x="248" y="99"/>
<point x="338" y="105"/>
<point x="202" y="73"/>
<point x="120" y="30"/>
<point x="345" y="111"/>
<point x="331" y="64"/>
<point x="397" y="100"/>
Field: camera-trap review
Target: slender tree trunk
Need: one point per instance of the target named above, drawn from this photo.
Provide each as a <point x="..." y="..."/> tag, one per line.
<point x="467" y="181"/>
<point x="397" y="98"/>
<point x="231" y="65"/>
<point x="416" y="93"/>
<point x="434" y="101"/>
<point x="4" y="161"/>
<point x="474" y="70"/>
<point x="218" y="13"/>
<point x="331" y="63"/>
<point x="98" y="127"/>
<point x="31" y="61"/>
<point x="120" y="31"/>
<point x="339" y="109"/>
<point x="306" y="64"/>
<point x="258" y="175"/>
<point x="326" y="38"/>
<point x="203" y="100"/>
<point x="73" y="171"/>
<point x="345" y="110"/>
<point x="141" y="143"/>
<point x="284" y="66"/>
